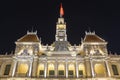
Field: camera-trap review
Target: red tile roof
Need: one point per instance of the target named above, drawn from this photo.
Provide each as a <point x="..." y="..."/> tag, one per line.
<point x="93" y="38"/>
<point x="29" y="38"/>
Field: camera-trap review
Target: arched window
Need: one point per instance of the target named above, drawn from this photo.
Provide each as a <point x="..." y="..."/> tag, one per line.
<point x="81" y="70"/>
<point x="61" y="69"/>
<point x="51" y="69"/>
<point x="22" y="69"/>
<point x="115" y="70"/>
<point x="99" y="69"/>
<point x="71" y="70"/>
<point x="40" y="71"/>
<point x="7" y="69"/>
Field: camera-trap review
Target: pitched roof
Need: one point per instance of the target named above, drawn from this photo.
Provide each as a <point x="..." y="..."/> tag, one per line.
<point x="92" y="37"/>
<point x="29" y="37"/>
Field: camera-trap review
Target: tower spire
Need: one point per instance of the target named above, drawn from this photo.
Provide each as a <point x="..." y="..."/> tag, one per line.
<point x="61" y="27"/>
<point x="61" y="10"/>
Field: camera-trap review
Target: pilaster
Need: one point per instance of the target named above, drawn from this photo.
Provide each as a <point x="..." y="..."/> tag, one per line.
<point x="77" y="69"/>
<point x="14" y="67"/>
<point x="92" y="68"/>
<point x="56" y="68"/>
<point x="34" y="68"/>
<point x="45" y="70"/>
<point x="66" y="68"/>
<point x="108" y="69"/>
<point x="30" y="69"/>
<point x="88" y="69"/>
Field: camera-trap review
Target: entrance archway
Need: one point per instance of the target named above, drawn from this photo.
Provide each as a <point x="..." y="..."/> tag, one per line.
<point x="51" y="69"/>
<point x="61" y="69"/>
<point x="99" y="69"/>
<point x="81" y="70"/>
<point x="71" y="70"/>
<point x="40" y="71"/>
<point x="22" y="69"/>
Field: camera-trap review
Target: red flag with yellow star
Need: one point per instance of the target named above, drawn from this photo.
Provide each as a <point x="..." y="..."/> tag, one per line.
<point x="61" y="10"/>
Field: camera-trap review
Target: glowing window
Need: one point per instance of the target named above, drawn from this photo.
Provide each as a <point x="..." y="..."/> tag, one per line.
<point x="51" y="72"/>
<point x="61" y="72"/>
<point x="7" y="69"/>
<point x="115" y="70"/>
<point x="70" y="72"/>
<point x="41" y="72"/>
<point x="80" y="72"/>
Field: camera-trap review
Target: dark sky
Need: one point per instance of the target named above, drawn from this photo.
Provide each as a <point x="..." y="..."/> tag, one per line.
<point x="101" y="16"/>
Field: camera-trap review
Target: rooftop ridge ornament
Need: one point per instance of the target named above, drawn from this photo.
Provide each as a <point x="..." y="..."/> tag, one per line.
<point x="28" y="32"/>
<point x="61" y="10"/>
<point x="90" y="33"/>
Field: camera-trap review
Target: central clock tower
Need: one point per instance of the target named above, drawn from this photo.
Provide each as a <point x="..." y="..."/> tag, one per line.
<point x="61" y="27"/>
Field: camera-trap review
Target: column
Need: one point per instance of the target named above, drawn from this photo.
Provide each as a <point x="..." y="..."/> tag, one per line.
<point x="30" y="69"/>
<point x="56" y="68"/>
<point x="66" y="68"/>
<point x="77" y="69"/>
<point x="45" y="70"/>
<point x="34" y="68"/>
<point x="108" y="69"/>
<point x="88" y="68"/>
<point x="14" y="68"/>
<point x="92" y="68"/>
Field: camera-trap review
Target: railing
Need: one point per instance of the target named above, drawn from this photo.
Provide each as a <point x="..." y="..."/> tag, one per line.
<point x="21" y="75"/>
<point x="50" y="76"/>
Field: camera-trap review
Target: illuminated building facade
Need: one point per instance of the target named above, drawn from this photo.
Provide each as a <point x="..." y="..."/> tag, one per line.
<point x="61" y="60"/>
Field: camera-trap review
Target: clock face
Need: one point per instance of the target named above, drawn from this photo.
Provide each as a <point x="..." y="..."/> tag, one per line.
<point x="61" y="33"/>
<point x="61" y="27"/>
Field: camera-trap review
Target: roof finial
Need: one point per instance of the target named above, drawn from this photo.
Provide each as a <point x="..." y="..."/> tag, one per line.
<point x="32" y="29"/>
<point x="61" y="10"/>
<point x="89" y="29"/>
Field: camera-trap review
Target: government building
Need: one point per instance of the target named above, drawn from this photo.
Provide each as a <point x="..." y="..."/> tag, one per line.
<point x="31" y="60"/>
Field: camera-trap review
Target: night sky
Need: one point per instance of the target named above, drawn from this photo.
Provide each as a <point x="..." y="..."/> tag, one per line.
<point x="101" y="16"/>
